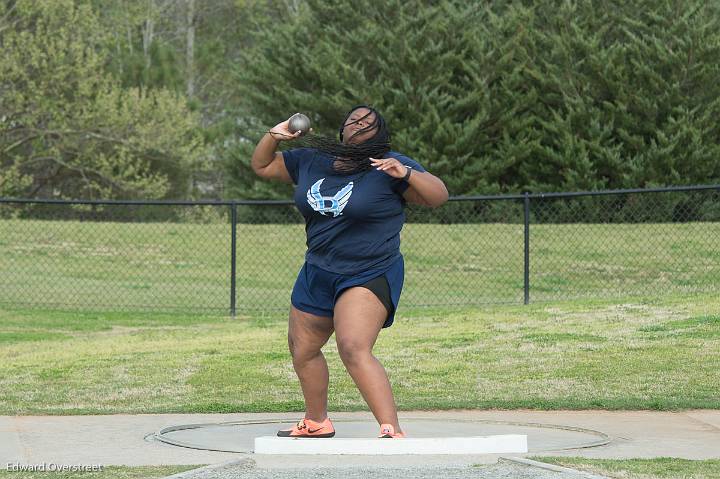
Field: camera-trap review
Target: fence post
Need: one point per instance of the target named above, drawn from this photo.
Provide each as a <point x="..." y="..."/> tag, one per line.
<point x="527" y="247"/>
<point x="233" y="256"/>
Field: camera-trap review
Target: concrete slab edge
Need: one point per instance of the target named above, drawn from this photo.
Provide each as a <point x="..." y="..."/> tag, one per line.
<point x="549" y="467"/>
<point x="496" y="444"/>
<point x="212" y="467"/>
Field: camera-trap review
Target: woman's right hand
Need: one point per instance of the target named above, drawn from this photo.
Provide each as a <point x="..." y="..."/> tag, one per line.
<point x="281" y="131"/>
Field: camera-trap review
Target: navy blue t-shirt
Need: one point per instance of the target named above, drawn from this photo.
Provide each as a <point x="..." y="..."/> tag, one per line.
<point x="352" y="222"/>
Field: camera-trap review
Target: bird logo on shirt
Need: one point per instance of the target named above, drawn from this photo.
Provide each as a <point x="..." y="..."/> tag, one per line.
<point x="329" y="204"/>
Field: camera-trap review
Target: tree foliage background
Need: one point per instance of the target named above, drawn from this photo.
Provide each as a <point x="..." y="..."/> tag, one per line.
<point x="166" y="98"/>
<point x="69" y="129"/>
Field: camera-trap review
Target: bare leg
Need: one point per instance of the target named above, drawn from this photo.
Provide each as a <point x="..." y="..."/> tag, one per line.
<point x="307" y="333"/>
<point x="359" y="316"/>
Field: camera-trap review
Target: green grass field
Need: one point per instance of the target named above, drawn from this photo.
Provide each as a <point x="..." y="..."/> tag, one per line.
<point x="186" y="267"/>
<point x="660" y="468"/>
<point x="74" y="338"/>
<point x="662" y="354"/>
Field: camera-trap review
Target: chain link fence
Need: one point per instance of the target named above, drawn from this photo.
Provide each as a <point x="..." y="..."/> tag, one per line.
<point x="243" y="256"/>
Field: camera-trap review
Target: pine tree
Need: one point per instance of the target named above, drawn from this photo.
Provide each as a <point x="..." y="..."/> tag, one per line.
<point x="500" y="96"/>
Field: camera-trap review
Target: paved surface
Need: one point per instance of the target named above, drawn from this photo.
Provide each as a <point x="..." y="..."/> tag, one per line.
<point x="123" y="439"/>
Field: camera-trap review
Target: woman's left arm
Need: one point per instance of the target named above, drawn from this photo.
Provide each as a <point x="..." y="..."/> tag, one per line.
<point x="424" y="188"/>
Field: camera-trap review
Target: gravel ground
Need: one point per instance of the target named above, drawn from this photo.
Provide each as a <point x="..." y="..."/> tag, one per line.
<point x="501" y="470"/>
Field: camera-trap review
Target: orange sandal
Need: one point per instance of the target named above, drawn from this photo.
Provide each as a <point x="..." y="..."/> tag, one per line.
<point x="309" y="428"/>
<point x="388" y="431"/>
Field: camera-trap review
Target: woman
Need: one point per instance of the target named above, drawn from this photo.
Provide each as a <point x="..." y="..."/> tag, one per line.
<point x="352" y="195"/>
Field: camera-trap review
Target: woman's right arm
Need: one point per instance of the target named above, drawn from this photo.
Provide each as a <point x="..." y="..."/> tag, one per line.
<point x="267" y="162"/>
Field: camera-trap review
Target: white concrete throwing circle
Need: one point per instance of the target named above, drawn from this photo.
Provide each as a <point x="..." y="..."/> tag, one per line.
<point x="239" y="436"/>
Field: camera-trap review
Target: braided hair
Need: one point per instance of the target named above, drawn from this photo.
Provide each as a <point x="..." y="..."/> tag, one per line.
<point x="354" y="158"/>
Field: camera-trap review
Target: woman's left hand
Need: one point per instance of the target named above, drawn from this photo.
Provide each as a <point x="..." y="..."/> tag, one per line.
<point x="391" y="166"/>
